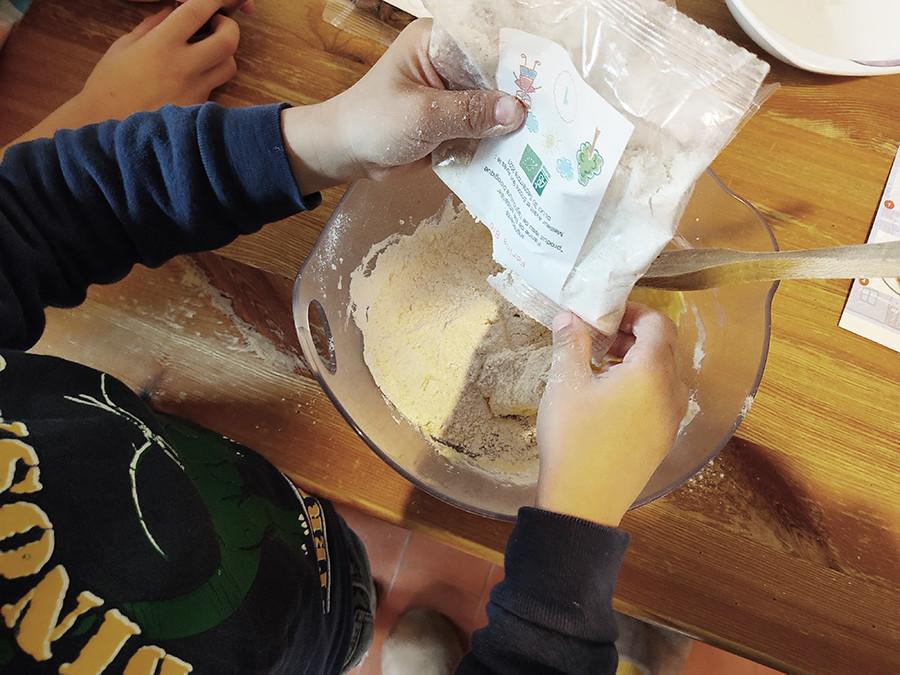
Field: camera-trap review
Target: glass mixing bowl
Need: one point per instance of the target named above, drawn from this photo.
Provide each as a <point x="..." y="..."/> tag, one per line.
<point x="723" y="339"/>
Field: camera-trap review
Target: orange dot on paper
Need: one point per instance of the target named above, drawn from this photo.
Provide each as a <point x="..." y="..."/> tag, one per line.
<point x="888" y="203"/>
<point x="863" y="282"/>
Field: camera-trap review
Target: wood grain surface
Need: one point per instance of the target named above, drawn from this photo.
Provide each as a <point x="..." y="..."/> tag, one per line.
<point x="786" y="549"/>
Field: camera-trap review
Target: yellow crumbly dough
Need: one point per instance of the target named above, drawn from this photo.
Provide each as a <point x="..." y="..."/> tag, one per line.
<point x="429" y="320"/>
<point x="448" y="352"/>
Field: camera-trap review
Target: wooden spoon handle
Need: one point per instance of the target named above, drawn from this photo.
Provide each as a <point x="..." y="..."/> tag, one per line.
<point x="696" y="269"/>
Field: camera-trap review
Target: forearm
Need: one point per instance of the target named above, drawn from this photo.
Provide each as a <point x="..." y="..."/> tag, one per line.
<point x="87" y="205"/>
<point x="553" y="611"/>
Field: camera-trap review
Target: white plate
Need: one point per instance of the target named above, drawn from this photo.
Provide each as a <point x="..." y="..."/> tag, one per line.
<point x="838" y="37"/>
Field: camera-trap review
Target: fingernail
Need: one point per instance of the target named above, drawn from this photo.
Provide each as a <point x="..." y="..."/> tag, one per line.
<point x="562" y="320"/>
<point x="506" y="110"/>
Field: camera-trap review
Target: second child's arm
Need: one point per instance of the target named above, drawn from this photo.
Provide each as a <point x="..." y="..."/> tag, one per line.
<point x="155" y="64"/>
<point x="87" y="205"/>
<point x="600" y="437"/>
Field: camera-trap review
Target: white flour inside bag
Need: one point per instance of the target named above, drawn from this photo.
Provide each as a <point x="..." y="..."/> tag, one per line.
<point x="629" y="102"/>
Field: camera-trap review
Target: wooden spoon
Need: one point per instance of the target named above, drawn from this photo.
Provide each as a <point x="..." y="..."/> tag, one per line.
<point x="696" y="269"/>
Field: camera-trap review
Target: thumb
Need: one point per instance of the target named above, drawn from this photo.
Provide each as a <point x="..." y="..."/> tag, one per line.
<point x="571" y="350"/>
<point x="474" y="114"/>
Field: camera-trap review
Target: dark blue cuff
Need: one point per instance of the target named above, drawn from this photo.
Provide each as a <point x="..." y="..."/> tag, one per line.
<point x="561" y="571"/>
<point x="254" y="147"/>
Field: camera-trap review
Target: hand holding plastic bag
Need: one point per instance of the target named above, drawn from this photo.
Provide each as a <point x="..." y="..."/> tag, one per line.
<point x="684" y="88"/>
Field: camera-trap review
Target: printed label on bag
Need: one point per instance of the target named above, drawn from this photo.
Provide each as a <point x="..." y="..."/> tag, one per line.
<point x="539" y="189"/>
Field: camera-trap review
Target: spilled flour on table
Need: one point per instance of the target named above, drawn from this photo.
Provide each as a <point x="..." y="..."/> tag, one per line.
<point x="248" y="339"/>
<point x="745" y="409"/>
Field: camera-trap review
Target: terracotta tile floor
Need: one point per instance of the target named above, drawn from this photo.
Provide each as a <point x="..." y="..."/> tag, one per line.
<point x="412" y="570"/>
<point x="705" y="659"/>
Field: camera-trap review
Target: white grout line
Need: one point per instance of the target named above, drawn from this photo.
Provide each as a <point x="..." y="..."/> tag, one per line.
<point x="400" y="560"/>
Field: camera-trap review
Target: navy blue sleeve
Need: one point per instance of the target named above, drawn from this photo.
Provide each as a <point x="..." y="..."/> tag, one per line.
<point x="552" y="613"/>
<point x="87" y="205"/>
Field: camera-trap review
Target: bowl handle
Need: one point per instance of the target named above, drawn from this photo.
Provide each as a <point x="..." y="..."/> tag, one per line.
<point x="315" y="336"/>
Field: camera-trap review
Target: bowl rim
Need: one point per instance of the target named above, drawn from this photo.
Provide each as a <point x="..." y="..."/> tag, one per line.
<point x="304" y="336"/>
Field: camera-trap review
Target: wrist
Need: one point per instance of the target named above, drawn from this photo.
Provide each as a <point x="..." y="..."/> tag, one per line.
<point x="580" y="503"/>
<point x="81" y="110"/>
<point x="315" y="151"/>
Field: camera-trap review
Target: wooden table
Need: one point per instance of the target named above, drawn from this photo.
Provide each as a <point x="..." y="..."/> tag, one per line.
<point x="789" y="553"/>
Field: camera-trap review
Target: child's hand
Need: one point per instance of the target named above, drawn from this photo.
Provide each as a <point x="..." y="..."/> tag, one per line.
<point x="394" y="116"/>
<point x="154" y="64"/>
<point x="151" y="66"/>
<point x="601" y="436"/>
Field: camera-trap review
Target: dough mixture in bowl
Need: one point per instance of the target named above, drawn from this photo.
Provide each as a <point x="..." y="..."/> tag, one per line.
<point x="447" y="351"/>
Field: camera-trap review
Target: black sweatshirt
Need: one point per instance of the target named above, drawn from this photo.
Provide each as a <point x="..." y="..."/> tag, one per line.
<point x="131" y="539"/>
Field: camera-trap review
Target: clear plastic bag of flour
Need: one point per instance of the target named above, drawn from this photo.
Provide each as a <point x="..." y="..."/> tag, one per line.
<point x="685" y="90"/>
